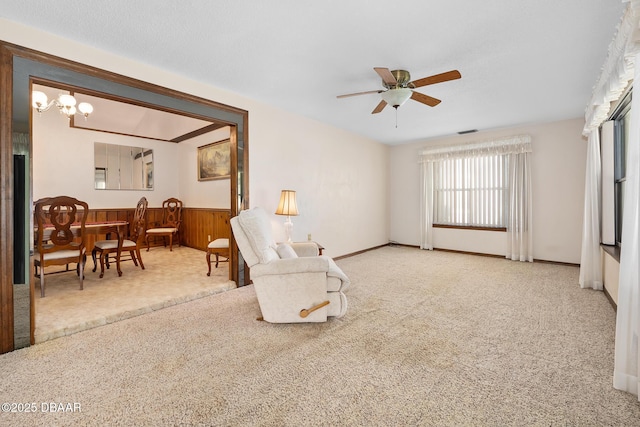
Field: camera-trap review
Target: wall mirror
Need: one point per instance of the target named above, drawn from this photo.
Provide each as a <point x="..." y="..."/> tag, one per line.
<point x="121" y="167"/>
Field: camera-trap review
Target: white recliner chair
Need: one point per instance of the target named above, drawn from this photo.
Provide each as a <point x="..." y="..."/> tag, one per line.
<point x="292" y="282"/>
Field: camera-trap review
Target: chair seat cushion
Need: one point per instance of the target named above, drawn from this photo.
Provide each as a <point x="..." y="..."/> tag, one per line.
<point x="106" y="244"/>
<point x="128" y="244"/>
<point x="69" y="253"/>
<point x="113" y="244"/>
<point x="165" y="230"/>
<point x="218" y="244"/>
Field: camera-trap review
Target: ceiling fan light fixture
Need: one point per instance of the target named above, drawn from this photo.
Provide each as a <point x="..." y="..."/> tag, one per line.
<point x="396" y="97"/>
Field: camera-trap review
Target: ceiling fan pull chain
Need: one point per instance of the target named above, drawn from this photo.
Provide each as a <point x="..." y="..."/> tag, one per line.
<point x="396" y="117"/>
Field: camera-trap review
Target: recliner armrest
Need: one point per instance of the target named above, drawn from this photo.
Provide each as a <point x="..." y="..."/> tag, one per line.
<point x="335" y="271"/>
<point x="305" y="249"/>
<point x="319" y="264"/>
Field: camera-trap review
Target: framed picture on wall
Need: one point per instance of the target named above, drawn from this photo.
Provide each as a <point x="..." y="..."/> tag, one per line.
<point x="214" y="161"/>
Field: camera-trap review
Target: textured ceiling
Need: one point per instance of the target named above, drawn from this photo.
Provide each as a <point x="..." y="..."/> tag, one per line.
<point x="521" y="61"/>
<point x="126" y="118"/>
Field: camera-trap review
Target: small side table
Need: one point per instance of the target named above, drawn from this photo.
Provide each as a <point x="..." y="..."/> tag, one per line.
<point x="320" y="247"/>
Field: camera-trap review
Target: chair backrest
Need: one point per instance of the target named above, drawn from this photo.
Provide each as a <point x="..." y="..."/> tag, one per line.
<point x="61" y="220"/>
<point x="139" y="223"/>
<point x="252" y="231"/>
<point x="171" y="212"/>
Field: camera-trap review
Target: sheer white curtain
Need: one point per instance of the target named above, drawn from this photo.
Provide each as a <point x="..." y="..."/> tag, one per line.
<point x="471" y="191"/>
<point x="621" y="64"/>
<point x="518" y="148"/>
<point x="627" y="362"/>
<point x="426" y="203"/>
<point x="520" y="217"/>
<point x="590" y="260"/>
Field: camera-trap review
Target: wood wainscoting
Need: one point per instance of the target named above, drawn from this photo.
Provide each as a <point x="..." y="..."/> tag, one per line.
<point x="197" y="224"/>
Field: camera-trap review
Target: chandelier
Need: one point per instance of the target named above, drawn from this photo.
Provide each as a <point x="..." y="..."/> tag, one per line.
<point x="65" y="103"/>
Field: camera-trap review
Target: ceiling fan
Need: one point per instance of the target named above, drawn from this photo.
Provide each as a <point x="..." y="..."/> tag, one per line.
<point x="399" y="88"/>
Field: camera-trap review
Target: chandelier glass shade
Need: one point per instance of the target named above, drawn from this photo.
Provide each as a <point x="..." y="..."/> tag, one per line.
<point x="396" y="97"/>
<point x="65" y="103"/>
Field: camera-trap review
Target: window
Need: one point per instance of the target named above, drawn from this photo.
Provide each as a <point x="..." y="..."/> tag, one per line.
<point x="621" y="118"/>
<point x="482" y="185"/>
<point x="471" y="192"/>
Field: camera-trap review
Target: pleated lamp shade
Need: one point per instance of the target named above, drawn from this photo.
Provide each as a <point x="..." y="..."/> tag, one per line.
<point x="287" y="205"/>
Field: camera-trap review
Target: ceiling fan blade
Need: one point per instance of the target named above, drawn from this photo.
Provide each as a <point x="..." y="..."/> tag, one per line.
<point x="359" y="93"/>
<point x="425" y="99"/>
<point x="380" y="107"/>
<point x="437" y="78"/>
<point x="386" y="75"/>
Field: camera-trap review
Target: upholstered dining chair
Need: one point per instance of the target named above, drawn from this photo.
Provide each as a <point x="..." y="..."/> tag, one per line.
<point x="105" y="248"/>
<point x="170" y="226"/>
<point x="220" y="248"/>
<point x="292" y="282"/>
<point x="60" y="235"/>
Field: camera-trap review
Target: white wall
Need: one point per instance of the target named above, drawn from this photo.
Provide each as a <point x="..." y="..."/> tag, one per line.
<point x="558" y="170"/>
<point x="63" y="164"/>
<point x="341" y="178"/>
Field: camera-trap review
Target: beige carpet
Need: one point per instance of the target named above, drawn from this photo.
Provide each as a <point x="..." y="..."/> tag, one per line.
<point x="431" y="338"/>
<point x="169" y="278"/>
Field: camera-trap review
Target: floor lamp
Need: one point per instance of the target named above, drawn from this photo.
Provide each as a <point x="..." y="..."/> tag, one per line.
<point x="288" y="207"/>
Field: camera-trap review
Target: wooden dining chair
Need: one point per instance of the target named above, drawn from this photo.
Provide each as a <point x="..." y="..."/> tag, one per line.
<point x="170" y="226"/>
<point x="219" y="246"/>
<point x="109" y="248"/>
<point x="60" y="235"/>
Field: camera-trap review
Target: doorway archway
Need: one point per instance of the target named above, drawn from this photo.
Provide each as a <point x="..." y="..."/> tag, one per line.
<point x="18" y="67"/>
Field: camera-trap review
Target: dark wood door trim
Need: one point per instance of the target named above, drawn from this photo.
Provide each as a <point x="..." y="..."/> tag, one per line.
<point x="6" y="202"/>
<point x="235" y="117"/>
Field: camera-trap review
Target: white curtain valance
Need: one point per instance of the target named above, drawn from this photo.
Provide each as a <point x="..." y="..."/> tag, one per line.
<point x="512" y="145"/>
<point x="617" y="70"/>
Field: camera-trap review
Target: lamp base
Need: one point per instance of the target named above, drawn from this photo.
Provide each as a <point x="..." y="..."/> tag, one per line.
<point x="288" y="228"/>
